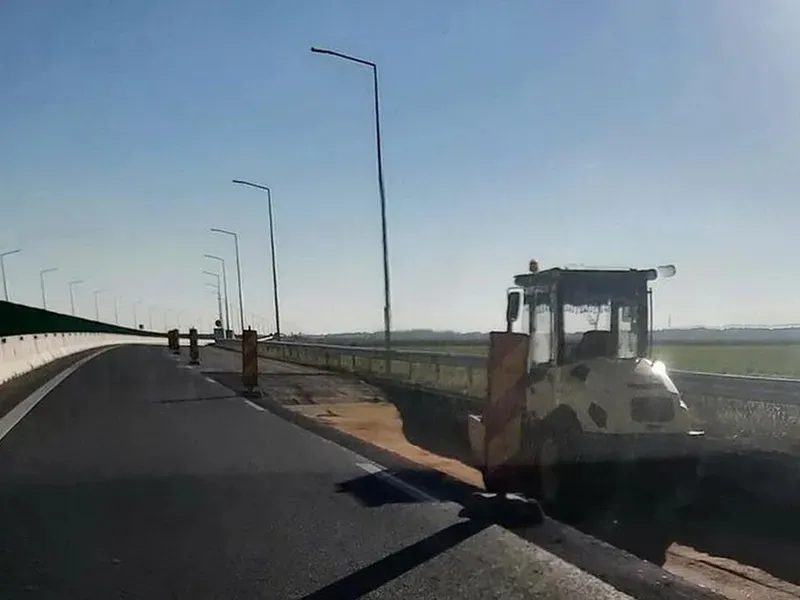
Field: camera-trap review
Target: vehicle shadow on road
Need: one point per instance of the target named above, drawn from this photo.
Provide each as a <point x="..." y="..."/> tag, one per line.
<point x="373" y="490"/>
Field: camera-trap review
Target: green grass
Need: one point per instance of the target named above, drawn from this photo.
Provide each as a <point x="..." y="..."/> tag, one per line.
<point x="737" y="359"/>
<point x="745" y="359"/>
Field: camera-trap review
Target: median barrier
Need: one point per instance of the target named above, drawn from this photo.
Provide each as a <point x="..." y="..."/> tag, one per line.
<point x="31" y="337"/>
<point x="20" y="354"/>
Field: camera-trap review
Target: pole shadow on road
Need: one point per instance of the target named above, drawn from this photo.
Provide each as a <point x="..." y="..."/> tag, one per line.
<point x="381" y="572"/>
<point x="197" y="399"/>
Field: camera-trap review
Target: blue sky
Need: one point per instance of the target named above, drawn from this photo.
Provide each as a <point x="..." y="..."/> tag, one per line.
<point x="613" y="133"/>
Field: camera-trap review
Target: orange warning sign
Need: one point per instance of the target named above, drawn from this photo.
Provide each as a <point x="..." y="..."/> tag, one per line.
<point x="507" y="369"/>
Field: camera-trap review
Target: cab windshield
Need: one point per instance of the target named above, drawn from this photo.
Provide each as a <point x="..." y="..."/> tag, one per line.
<point x="601" y="329"/>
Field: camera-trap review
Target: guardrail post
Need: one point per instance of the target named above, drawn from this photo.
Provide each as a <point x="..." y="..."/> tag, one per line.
<point x="250" y="361"/>
<point x="194" y="349"/>
<point x="173" y="337"/>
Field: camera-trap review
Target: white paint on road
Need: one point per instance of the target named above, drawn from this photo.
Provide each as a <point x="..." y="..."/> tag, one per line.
<point x="16" y="414"/>
<point x="253" y="405"/>
<point x="399" y="484"/>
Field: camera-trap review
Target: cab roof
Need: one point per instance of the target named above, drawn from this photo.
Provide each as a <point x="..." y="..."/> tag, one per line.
<point x="585" y="276"/>
<point x="580" y="285"/>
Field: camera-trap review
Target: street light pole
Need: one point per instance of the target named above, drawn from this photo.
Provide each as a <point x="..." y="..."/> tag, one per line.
<point x="272" y="251"/>
<point x="225" y="286"/>
<point x="219" y="291"/>
<point x="150" y="316"/>
<point x="387" y="307"/>
<point x="97" y="304"/>
<point x="238" y="272"/>
<point x="72" y="285"/>
<point x="41" y="280"/>
<point x="116" y="310"/>
<point x="135" y="319"/>
<point x="3" y="270"/>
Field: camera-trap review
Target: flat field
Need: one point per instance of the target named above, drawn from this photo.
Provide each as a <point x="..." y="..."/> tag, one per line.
<point x="732" y="358"/>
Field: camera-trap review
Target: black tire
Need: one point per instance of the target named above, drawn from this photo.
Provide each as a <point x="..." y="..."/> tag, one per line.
<point x="559" y="477"/>
<point x="493" y="483"/>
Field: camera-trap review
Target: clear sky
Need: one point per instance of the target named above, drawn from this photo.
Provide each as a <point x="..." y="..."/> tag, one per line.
<point x="610" y="133"/>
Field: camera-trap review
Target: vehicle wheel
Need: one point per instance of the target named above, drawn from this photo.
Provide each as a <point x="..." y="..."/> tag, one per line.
<point x="493" y="483"/>
<point x="559" y="477"/>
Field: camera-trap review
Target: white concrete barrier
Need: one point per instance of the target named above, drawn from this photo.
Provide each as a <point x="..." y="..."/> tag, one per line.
<point x="22" y="353"/>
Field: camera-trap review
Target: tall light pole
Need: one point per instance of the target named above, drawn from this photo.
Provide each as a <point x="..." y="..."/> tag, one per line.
<point x="219" y="291"/>
<point x="272" y="251"/>
<point x="97" y="304"/>
<point x="116" y="309"/>
<point x="135" y="319"/>
<point x="225" y="286"/>
<point x="238" y="272"/>
<point x="387" y="307"/>
<point x="41" y="281"/>
<point x="72" y="285"/>
<point x="150" y="310"/>
<point x="3" y="270"/>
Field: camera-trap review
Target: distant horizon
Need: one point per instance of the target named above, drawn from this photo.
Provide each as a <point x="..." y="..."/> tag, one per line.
<point x="479" y="332"/>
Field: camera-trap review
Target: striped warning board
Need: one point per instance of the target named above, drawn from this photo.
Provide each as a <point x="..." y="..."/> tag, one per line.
<point x="505" y="405"/>
<point x="250" y="359"/>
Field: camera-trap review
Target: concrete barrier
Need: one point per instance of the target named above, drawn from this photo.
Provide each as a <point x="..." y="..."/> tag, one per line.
<point x="22" y="353"/>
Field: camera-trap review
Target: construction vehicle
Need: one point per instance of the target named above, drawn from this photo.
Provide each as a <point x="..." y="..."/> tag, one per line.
<point x="578" y="411"/>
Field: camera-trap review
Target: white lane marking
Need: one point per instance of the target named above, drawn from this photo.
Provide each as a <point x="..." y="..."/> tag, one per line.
<point x="252" y="404"/>
<point x="407" y="488"/>
<point x="369" y="466"/>
<point x="210" y="380"/>
<point x="16" y="414"/>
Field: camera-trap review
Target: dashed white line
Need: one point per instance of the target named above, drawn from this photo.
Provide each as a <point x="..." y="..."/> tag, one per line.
<point x="407" y="488"/>
<point x="253" y="405"/>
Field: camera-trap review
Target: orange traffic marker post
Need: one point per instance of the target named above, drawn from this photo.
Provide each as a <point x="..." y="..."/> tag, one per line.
<point x="250" y="362"/>
<point x="194" y="349"/>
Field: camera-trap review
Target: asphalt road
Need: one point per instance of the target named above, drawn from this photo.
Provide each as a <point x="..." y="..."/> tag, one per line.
<point x="138" y="477"/>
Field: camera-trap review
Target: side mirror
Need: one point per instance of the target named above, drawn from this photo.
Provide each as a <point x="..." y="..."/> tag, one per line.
<point x="513" y="306"/>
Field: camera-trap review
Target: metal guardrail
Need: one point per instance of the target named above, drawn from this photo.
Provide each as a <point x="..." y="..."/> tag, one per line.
<point x="410" y="365"/>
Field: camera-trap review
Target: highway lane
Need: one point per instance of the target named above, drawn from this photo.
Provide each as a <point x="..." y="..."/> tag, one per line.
<point x="137" y="477"/>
